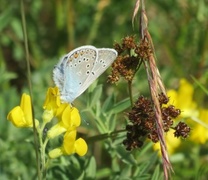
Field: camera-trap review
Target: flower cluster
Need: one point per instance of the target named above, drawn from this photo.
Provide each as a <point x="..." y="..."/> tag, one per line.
<point x="142" y="117"/>
<point x="130" y="56"/>
<point x="68" y="120"/>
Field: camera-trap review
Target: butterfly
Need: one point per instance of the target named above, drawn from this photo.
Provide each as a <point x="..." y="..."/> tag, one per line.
<point x="78" y="69"/>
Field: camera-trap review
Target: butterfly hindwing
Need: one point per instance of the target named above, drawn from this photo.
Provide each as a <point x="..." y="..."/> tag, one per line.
<point x="59" y="73"/>
<point x="105" y="58"/>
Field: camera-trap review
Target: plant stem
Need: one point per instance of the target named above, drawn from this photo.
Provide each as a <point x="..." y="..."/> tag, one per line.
<point x="130" y="92"/>
<point x="30" y="86"/>
<point x="42" y="150"/>
<point x="105" y="136"/>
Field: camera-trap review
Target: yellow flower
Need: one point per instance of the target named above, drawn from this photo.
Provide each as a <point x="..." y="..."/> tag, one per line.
<point x="183" y="99"/>
<point x="199" y="132"/>
<point x="197" y="118"/>
<point x="21" y="116"/>
<point x="70" y="146"/>
<point x="51" y="104"/>
<point x="52" y="101"/>
<point x="69" y="119"/>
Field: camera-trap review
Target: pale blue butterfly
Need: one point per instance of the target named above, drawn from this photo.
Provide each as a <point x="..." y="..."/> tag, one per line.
<point x="78" y="69"/>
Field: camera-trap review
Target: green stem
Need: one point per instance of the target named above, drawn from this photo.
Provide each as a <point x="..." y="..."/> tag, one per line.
<point x="42" y="150"/>
<point x="105" y="136"/>
<point x="44" y="167"/>
<point x="130" y="92"/>
<point x="30" y="86"/>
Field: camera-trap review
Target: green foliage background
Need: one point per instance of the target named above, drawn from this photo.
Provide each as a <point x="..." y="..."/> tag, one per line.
<point x="180" y="36"/>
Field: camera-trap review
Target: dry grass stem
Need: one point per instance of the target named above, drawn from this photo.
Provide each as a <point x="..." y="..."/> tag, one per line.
<point x="155" y="84"/>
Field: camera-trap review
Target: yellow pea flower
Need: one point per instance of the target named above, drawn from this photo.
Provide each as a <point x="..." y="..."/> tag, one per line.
<point x="51" y="104"/>
<point x="21" y="116"/>
<point x="70" y="146"/>
<point x="52" y="100"/>
<point x="69" y="119"/>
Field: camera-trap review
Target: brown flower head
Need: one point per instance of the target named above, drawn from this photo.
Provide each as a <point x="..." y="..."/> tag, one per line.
<point x="143" y="125"/>
<point x="127" y="62"/>
<point x="182" y="130"/>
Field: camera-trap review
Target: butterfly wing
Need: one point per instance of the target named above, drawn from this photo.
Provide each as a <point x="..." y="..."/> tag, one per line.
<point x="71" y="73"/>
<point x="105" y="58"/>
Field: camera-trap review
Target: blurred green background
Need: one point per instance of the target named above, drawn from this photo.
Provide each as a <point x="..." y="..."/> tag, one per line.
<point x="180" y="36"/>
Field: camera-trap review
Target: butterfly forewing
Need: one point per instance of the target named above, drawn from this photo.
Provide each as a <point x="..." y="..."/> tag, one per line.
<point x="77" y="70"/>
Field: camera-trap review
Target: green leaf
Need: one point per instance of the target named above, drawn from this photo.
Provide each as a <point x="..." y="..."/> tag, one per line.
<point x="121" y="106"/>
<point x="126" y="172"/>
<point x="5" y="17"/>
<point x="108" y="103"/>
<point x="96" y="95"/>
<point x="148" y="164"/>
<point x="125" y="156"/>
<point x="90" y="169"/>
<point x="200" y="85"/>
<point x="157" y="175"/>
<point x="103" y="173"/>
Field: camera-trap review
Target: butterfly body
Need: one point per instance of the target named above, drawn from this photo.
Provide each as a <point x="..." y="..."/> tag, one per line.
<point x="78" y="69"/>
